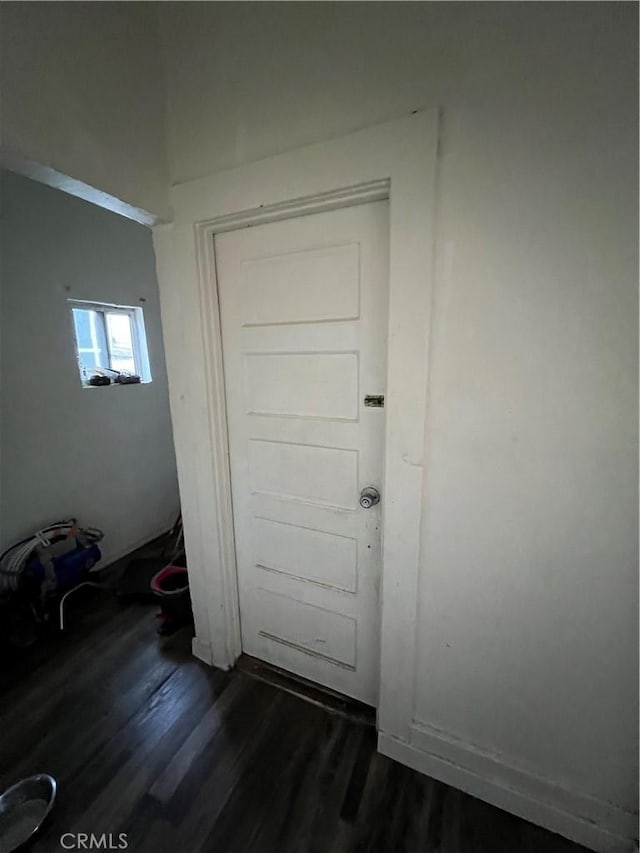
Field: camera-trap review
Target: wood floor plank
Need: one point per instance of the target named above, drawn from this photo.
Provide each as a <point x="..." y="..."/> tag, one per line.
<point x="263" y="802"/>
<point x="141" y="749"/>
<point x="204" y="794"/>
<point x="207" y="727"/>
<point x="146" y="740"/>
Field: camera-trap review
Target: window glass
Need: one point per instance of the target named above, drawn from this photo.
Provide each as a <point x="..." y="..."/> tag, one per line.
<point x="91" y="340"/>
<point x="83" y="330"/>
<point x="110" y="340"/>
<point x="120" y="341"/>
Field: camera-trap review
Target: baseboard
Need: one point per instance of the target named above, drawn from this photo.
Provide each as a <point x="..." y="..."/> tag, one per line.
<point x="112" y="557"/>
<point x="590" y="822"/>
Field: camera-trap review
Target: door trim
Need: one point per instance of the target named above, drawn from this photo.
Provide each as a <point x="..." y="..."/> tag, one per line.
<point x="214" y="359"/>
<point x="318" y="203"/>
<point x="395" y="160"/>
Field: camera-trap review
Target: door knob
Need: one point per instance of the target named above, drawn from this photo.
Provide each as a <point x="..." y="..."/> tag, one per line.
<point x="369" y="497"/>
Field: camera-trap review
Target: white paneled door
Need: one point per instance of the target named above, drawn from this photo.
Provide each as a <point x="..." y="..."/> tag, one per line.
<point x="303" y="306"/>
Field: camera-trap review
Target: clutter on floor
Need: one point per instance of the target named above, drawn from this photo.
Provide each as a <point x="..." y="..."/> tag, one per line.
<point x="171" y="586"/>
<point x="134" y="580"/>
<point x="38" y="574"/>
<point x="159" y="573"/>
<point x="23" y="810"/>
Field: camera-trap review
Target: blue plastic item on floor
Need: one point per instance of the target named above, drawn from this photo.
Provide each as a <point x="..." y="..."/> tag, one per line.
<point x="70" y="568"/>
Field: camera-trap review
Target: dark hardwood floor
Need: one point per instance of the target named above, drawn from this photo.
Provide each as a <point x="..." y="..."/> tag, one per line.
<point x="145" y="740"/>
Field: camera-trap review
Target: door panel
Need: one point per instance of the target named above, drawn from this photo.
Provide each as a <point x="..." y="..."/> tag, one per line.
<point x="324" y="475"/>
<point x="303" y="385"/>
<point x="304" y="286"/>
<point x="303" y="306"/>
<point x="328" y="559"/>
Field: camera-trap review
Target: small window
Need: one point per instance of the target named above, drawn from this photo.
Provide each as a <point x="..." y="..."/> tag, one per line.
<point x="110" y="341"/>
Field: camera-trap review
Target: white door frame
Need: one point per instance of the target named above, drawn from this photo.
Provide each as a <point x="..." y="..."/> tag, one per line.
<point x="395" y="160"/>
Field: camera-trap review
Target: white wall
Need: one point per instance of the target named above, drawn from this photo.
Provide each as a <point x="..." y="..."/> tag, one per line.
<point x="529" y="589"/>
<point x="82" y="96"/>
<point x="104" y="455"/>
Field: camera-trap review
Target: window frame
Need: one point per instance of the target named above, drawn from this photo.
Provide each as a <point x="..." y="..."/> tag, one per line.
<point x="138" y="336"/>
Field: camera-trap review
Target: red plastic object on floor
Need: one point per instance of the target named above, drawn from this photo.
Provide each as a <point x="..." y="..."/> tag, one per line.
<point x="170" y="580"/>
<point x="171" y="585"/>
